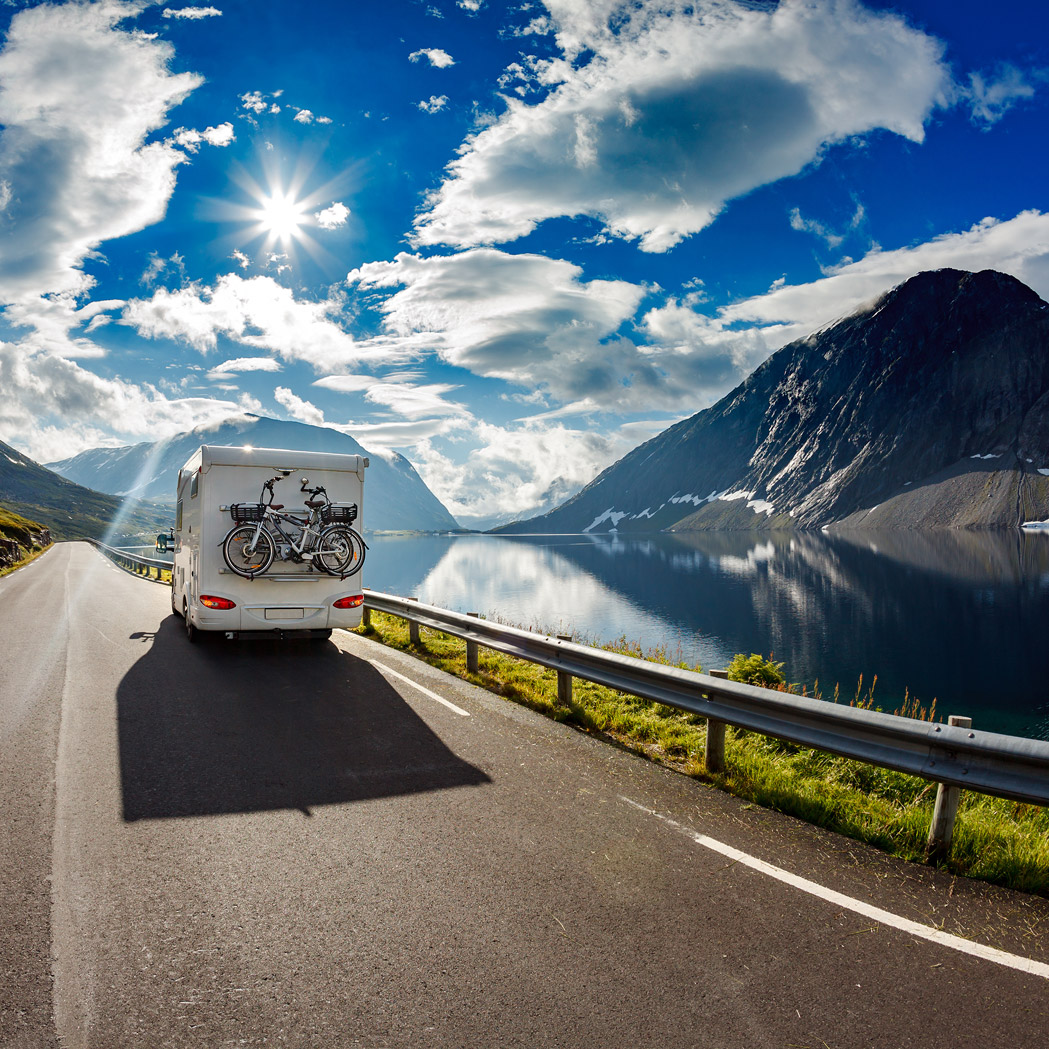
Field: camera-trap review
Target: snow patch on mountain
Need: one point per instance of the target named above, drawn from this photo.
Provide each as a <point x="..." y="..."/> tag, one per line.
<point x="761" y="506"/>
<point x="611" y="514"/>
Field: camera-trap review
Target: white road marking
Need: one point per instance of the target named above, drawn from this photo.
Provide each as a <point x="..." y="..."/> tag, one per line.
<point x="383" y="668"/>
<point x="926" y="932"/>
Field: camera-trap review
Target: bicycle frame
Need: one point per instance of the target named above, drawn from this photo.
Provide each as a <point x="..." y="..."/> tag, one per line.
<point x="308" y="532"/>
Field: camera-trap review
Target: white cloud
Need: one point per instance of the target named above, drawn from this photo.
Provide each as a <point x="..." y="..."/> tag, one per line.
<point x="346" y="383"/>
<point x="240" y="258"/>
<point x="260" y="313"/>
<point x="255" y="101"/>
<point x="297" y="408"/>
<point x="437" y="58"/>
<point x="333" y="217"/>
<point x="540" y="26"/>
<point x="227" y="369"/>
<point x="392" y="434"/>
<point x="814" y="226"/>
<point x="991" y="97"/>
<point x="406" y="399"/>
<point x="191" y="12"/>
<point x="513" y="470"/>
<point x="304" y="116"/>
<point x="74" y="150"/>
<point x="410" y="401"/>
<point x="833" y="238"/>
<point x="54" y="408"/>
<point x="435" y="104"/>
<point x="525" y="318"/>
<point x="473" y="6"/>
<point x="189" y="139"/>
<point x="684" y="106"/>
<point x="158" y="266"/>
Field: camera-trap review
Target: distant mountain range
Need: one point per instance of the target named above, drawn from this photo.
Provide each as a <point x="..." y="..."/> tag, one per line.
<point x="927" y="409"/>
<point x="69" y="510"/>
<point x="396" y="498"/>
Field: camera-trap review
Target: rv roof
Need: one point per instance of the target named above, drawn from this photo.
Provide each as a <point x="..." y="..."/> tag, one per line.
<point x="278" y="458"/>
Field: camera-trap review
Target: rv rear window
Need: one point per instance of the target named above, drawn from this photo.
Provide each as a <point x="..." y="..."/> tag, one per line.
<point x="178" y="516"/>
<point x="193" y="486"/>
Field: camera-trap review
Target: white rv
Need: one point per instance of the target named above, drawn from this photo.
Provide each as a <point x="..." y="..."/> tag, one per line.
<point x="292" y="597"/>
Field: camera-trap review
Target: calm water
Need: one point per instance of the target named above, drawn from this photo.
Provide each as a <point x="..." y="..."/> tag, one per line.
<point x="959" y="617"/>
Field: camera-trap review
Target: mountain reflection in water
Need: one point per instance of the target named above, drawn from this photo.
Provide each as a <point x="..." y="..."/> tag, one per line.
<point x="961" y="617"/>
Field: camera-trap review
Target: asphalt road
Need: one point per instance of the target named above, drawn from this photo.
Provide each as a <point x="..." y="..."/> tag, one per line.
<point x="292" y="845"/>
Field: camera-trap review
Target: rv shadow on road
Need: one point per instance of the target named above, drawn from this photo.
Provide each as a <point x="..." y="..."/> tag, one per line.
<point x="221" y="727"/>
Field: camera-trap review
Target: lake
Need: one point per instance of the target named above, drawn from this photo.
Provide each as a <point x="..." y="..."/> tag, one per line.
<point x="962" y="617"/>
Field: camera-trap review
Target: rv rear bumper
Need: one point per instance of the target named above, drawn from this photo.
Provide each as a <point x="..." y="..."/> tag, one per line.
<point x="276" y="635"/>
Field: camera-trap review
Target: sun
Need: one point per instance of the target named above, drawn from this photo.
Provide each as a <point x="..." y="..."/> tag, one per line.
<point x="279" y="214"/>
<point x="282" y="216"/>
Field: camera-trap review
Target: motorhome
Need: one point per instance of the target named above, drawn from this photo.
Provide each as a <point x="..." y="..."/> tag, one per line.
<point x="292" y="597"/>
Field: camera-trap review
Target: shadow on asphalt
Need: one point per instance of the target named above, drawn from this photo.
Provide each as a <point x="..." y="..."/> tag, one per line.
<point x="221" y="727"/>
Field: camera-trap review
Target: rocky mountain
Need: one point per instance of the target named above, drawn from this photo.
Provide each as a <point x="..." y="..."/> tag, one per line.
<point x="927" y="409"/>
<point x="397" y="499"/>
<point x="69" y="510"/>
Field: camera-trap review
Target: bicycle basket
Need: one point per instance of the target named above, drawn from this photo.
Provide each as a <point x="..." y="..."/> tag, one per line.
<point x="242" y="512"/>
<point x="339" y="513"/>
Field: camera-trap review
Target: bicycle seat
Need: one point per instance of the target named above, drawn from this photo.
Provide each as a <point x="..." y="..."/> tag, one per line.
<point x="276" y="506"/>
<point x="314" y="504"/>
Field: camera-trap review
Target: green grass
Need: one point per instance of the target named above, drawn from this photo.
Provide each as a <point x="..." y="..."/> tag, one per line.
<point x="996" y="840"/>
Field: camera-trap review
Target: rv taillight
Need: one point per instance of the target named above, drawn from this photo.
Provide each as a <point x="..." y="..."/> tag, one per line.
<point x="217" y="602"/>
<point x="349" y="602"/>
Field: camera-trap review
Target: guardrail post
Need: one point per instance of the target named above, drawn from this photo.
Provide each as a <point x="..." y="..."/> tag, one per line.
<point x="941" y="830"/>
<point x="471" y="651"/>
<point x="366" y="618"/>
<point x="564" y="681"/>
<point x="413" y="629"/>
<point x="714" y="753"/>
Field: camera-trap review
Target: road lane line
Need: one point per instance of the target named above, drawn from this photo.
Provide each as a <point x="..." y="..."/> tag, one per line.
<point x="384" y="669"/>
<point x="926" y="932"/>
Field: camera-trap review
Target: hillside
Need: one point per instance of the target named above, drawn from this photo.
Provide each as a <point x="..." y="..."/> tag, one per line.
<point x="19" y="537"/>
<point x="69" y="510"/>
<point x="927" y="409"/>
<point x="396" y="498"/>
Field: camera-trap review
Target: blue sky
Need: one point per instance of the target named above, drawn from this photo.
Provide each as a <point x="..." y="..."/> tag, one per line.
<point x="510" y="240"/>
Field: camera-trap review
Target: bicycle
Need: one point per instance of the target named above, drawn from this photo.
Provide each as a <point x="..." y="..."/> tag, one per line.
<point x="338" y="520"/>
<point x="249" y="548"/>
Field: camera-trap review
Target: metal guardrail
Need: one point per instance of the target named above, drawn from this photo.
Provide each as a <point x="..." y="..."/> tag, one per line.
<point x="986" y="762"/>
<point x="147" y="567"/>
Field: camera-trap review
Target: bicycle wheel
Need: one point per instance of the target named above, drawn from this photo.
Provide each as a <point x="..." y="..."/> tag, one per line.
<point x="340" y="551"/>
<point x="242" y="558"/>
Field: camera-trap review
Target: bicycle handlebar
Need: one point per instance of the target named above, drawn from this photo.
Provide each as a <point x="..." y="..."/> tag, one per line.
<point x="267" y="486"/>
<point x="314" y="492"/>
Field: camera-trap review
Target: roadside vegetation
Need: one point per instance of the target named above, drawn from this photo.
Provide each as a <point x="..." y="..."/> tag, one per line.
<point x="21" y="540"/>
<point x="996" y="840"/>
